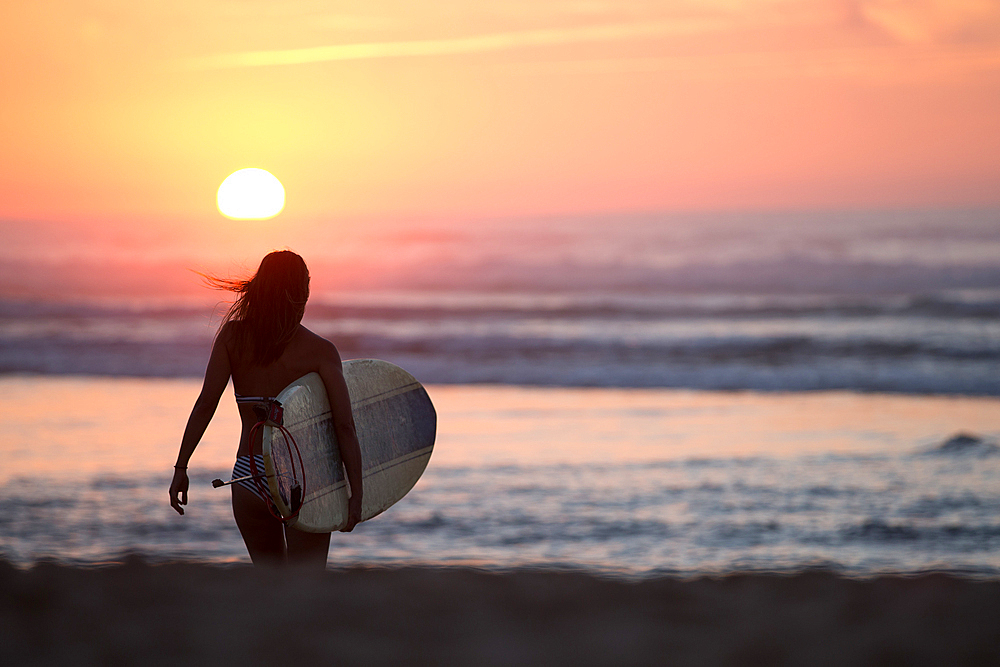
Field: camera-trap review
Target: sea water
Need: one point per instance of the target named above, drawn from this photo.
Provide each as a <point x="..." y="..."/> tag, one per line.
<point x="629" y="481"/>
<point x="863" y="301"/>
<point x="636" y="393"/>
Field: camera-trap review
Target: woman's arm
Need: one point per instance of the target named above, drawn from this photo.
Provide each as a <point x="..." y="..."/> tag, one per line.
<point x="216" y="378"/>
<point x="332" y="371"/>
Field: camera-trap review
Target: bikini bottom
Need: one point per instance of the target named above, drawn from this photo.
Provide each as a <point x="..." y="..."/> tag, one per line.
<point x="242" y="469"/>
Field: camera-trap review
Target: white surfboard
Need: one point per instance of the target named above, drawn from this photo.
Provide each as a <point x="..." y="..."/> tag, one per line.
<point x="396" y="424"/>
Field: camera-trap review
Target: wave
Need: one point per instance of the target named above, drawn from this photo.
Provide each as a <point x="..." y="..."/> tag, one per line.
<point x="643" y="307"/>
<point x="953" y="537"/>
<point x="945" y="343"/>
<point x="965" y="445"/>
<point x="642" y="302"/>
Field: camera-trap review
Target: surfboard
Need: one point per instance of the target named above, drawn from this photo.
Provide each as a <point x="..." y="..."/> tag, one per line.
<point x="396" y="425"/>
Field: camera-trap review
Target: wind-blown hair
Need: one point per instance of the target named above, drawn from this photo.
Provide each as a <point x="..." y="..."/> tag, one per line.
<point x="268" y="308"/>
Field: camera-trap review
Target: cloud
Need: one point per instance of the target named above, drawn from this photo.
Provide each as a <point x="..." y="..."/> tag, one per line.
<point x="881" y="65"/>
<point x="936" y="21"/>
<point x="453" y="46"/>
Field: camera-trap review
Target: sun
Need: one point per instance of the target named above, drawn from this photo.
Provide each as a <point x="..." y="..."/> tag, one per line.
<point x="251" y="194"/>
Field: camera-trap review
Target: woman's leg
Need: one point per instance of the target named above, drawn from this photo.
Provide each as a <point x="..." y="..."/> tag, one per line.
<point x="262" y="533"/>
<point x="307" y="549"/>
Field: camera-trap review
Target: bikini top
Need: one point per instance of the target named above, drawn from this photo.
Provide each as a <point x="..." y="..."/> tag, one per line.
<point x="266" y="409"/>
<point x="253" y="399"/>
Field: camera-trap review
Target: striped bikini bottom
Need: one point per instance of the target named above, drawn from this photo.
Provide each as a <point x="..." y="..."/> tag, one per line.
<point x="242" y="469"/>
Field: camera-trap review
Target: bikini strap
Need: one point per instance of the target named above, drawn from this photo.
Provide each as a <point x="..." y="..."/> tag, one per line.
<point x="253" y="399"/>
<point x="265" y="408"/>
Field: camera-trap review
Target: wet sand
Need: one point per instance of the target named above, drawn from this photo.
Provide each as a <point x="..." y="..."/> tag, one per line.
<point x="139" y="614"/>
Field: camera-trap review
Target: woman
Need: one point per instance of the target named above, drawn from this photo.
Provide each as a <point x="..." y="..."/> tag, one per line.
<point x="263" y="347"/>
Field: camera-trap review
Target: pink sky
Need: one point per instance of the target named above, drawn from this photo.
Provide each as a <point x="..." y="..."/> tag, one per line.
<point x="125" y="110"/>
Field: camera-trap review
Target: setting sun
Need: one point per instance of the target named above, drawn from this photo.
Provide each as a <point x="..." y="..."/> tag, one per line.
<point x="251" y="194"/>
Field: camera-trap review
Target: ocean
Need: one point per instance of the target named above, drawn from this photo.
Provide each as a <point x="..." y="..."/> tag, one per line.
<point x="626" y="394"/>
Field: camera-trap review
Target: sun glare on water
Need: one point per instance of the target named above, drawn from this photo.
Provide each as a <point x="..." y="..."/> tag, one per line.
<point x="251" y="194"/>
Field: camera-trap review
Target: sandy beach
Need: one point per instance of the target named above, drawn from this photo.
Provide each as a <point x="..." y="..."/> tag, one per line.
<point x="133" y="613"/>
<point x="705" y="296"/>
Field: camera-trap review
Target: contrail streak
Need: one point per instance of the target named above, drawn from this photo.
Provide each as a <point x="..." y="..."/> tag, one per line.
<point x="443" y="47"/>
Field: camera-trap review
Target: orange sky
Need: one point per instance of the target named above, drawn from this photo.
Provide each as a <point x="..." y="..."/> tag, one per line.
<point x="117" y="109"/>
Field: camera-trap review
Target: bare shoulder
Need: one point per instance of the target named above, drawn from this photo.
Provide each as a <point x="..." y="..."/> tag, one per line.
<point x="226" y="335"/>
<point x="226" y="331"/>
<point x="320" y="348"/>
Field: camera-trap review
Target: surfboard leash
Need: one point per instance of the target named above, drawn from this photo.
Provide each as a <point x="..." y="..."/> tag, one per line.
<point x="273" y="416"/>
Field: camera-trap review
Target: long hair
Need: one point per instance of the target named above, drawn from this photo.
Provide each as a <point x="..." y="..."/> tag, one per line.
<point x="268" y="308"/>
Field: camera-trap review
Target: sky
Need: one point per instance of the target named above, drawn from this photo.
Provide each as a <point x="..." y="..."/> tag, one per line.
<point x="115" y="110"/>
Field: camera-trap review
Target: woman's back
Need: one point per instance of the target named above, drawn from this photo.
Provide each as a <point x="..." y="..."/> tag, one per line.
<point x="303" y="354"/>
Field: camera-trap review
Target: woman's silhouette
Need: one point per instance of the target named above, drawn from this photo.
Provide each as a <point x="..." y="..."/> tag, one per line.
<point x="263" y="347"/>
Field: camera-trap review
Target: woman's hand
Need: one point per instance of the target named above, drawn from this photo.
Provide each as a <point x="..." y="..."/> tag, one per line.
<point x="353" y="513"/>
<point x="179" y="490"/>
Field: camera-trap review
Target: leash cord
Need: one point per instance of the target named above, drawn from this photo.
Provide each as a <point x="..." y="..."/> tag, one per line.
<point x="256" y="476"/>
